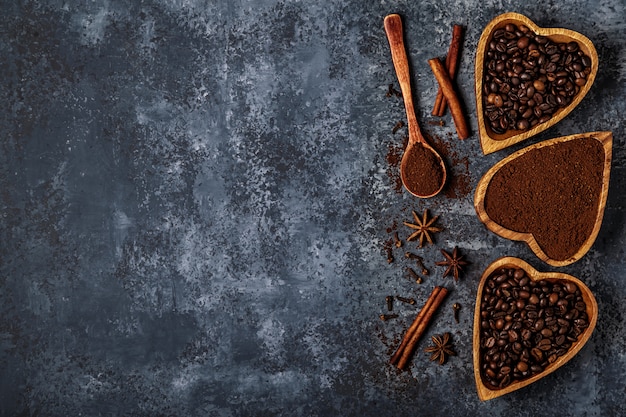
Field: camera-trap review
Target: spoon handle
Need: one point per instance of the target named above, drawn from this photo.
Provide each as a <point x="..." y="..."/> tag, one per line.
<point x="395" y="35"/>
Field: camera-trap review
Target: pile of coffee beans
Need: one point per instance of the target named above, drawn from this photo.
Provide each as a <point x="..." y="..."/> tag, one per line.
<point x="528" y="77"/>
<point x="526" y="325"/>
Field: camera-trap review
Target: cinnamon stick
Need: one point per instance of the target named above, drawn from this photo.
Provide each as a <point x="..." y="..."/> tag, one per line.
<point x="402" y="355"/>
<point x="452" y="60"/>
<point x="458" y="116"/>
<point x="411" y="330"/>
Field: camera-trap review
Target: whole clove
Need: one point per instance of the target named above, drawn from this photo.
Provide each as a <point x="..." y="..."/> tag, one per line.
<point x="418" y="259"/>
<point x="414" y="275"/>
<point x="397" y="240"/>
<point x="420" y="263"/>
<point x="385" y="317"/>
<point x="391" y="91"/>
<point x="456" y="307"/>
<point x="389" y="255"/>
<point x="405" y="300"/>
<point x="389" y="301"/>
<point x="397" y="126"/>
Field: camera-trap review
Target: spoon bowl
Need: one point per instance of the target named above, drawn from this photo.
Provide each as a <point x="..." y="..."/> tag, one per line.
<point x="422" y="169"/>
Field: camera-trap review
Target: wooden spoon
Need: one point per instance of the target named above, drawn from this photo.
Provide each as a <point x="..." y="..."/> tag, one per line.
<point x="422" y="170"/>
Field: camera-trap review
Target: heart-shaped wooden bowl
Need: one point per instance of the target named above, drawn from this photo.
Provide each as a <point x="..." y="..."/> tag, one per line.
<point x="491" y="141"/>
<point x="606" y="140"/>
<point x="486" y="392"/>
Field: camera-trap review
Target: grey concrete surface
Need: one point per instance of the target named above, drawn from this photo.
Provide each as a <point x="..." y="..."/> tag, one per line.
<point x="196" y="198"/>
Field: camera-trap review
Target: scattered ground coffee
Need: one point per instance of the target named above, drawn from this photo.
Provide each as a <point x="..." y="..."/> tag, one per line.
<point x="394" y="157"/>
<point x="552" y="192"/>
<point x="459" y="180"/>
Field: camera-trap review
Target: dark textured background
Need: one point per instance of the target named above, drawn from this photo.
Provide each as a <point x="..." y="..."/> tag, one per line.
<point x="196" y="197"/>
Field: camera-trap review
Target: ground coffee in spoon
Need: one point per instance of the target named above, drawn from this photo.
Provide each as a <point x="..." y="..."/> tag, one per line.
<point x="552" y="192"/>
<point x="423" y="173"/>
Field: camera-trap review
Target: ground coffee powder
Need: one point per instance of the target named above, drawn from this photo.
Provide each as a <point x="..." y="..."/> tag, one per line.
<point x="552" y="192"/>
<point x="423" y="172"/>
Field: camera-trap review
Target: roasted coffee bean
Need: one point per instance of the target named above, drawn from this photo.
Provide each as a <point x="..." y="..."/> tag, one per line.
<point x="572" y="47"/>
<point x="570" y="287"/>
<point x="526" y="325"/>
<point x="522" y="366"/>
<point x="553" y="298"/>
<point x="537" y="354"/>
<point x="522" y="67"/>
<point x="523" y="125"/>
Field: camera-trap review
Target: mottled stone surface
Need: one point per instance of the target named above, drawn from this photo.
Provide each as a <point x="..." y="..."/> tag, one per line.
<point x="196" y="197"/>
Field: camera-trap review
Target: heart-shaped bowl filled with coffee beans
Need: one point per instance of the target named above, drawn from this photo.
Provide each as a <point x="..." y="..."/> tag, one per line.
<point x="527" y="324"/>
<point x="528" y="78"/>
<point x="550" y="195"/>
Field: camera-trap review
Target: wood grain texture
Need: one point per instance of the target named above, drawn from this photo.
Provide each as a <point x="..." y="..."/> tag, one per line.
<point x="492" y="142"/>
<point x="486" y="392"/>
<point x="606" y="138"/>
<point x="395" y="36"/>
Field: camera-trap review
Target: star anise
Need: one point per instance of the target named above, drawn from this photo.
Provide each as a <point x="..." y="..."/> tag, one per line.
<point x="454" y="262"/>
<point x="424" y="227"/>
<point x="441" y="349"/>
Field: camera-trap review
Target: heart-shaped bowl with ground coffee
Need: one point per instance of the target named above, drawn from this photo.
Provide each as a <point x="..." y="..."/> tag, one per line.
<point x="527" y="324"/>
<point x="528" y="78"/>
<point x="550" y="195"/>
